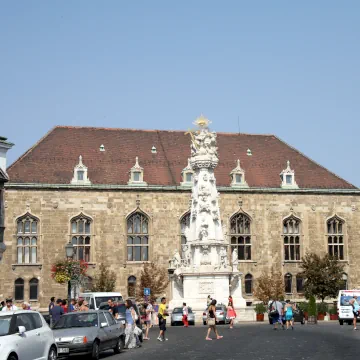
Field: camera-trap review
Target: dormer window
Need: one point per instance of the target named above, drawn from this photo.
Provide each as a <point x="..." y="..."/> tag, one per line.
<point x="80" y="174"/>
<point x="136" y="174"/>
<point x="287" y="177"/>
<point x="187" y="175"/>
<point x="238" y="176"/>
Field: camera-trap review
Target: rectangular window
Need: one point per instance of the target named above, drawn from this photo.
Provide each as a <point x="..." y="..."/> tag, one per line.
<point x="291" y="248"/>
<point x="80" y="175"/>
<point x="243" y="247"/>
<point x="299" y="284"/>
<point x="336" y="247"/>
<point x="289" y="179"/>
<point x="136" y="176"/>
<point x="238" y="178"/>
<point x="189" y="177"/>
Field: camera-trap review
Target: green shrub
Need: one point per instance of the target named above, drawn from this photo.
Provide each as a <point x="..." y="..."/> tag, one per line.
<point x="304" y="306"/>
<point x="322" y="308"/>
<point x="312" y="306"/>
<point x="332" y="310"/>
<point x="260" y="308"/>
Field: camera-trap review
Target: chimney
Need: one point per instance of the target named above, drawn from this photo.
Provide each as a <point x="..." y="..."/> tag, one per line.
<point x="4" y="147"/>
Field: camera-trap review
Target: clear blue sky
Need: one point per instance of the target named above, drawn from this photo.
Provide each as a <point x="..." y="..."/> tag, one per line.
<point x="291" y="68"/>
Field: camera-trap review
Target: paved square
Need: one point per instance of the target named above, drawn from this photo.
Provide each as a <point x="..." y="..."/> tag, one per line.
<point x="328" y="341"/>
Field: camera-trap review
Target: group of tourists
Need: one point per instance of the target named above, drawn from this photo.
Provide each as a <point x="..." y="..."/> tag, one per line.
<point x="278" y="313"/>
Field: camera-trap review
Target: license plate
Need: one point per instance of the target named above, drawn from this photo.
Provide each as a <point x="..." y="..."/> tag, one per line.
<point x="63" y="350"/>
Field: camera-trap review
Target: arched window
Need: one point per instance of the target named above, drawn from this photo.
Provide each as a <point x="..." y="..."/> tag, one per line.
<point x="34" y="289"/>
<point x="241" y="236"/>
<point x="299" y="284"/>
<point x="291" y="235"/>
<point x="132" y="286"/>
<point x="138" y="237"/>
<point x="335" y="235"/>
<point x="184" y="223"/>
<point x="19" y="289"/>
<point x="248" y="284"/>
<point x="288" y="283"/>
<point x="344" y="285"/>
<point x="27" y="239"/>
<point x="81" y="237"/>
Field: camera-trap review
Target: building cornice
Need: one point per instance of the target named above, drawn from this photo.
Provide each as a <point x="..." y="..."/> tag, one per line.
<point x="224" y="189"/>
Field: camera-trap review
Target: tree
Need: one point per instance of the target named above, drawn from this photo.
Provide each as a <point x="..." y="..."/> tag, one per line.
<point x="269" y="286"/>
<point x="105" y="280"/>
<point x="155" y="277"/>
<point x="322" y="276"/>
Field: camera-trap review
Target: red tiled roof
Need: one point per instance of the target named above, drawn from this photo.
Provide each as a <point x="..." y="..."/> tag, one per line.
<point x="53" y="158"/>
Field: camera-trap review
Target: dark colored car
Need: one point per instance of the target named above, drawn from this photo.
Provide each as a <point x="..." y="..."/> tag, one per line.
<point x="88" y="333"/>
<point x="121" y="319"/>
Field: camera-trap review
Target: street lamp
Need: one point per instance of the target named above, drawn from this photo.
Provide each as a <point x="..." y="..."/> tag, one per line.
<point x="69" y="251"/>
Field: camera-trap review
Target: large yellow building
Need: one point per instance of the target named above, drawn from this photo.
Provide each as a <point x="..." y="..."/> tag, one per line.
<point x="122" y="197"/>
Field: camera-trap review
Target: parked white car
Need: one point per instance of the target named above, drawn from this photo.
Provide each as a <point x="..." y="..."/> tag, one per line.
<point x="25" y="335"/>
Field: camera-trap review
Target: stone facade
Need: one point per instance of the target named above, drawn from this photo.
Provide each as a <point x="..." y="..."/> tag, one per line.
<point x="109" y="209"/>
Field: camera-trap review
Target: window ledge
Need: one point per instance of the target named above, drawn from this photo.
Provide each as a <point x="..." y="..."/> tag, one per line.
<point x="14" y="266"/>
<point x="292" y="261"/>
<point x="248" y="261"/>
<point x="137" y="262"/>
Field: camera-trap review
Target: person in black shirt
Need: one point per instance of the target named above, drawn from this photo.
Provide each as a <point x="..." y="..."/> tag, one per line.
<point x="113" y="308"/>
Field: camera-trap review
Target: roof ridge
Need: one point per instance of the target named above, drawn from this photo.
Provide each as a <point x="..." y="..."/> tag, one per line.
<point x="149" y="130"/>
<point x="32" y="148"/>
<point x="315" y="162"/>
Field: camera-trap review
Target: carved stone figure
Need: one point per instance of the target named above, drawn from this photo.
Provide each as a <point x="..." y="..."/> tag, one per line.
<point x="176" y="260"/>
<point x="186" y="254"/>
<point x="235" y="259"/>
<point x="223" y="257"/>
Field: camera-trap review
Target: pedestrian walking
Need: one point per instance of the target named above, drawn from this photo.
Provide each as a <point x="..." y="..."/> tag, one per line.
<point x="289" y="314"/>
<point x="162" y="315"/>
<point x="231" y="301"/>
<point x="231" y="314"/>
<point x="148" y="316"/>
<point x="185" y="311"/>
<point x="130" y="324"/>
<point x="51" y="304"/>
<point x="211" y="321"/>
<point x="9" y="306"/>
<point x="276" y="312"/>
<point x="356" y="308"/>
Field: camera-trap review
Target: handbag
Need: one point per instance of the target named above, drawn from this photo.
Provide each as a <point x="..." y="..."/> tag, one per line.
<point x="137" y="331"/>
<point x="211" y="321"/>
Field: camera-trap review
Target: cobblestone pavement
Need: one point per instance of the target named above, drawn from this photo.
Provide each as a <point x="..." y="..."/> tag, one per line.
<point x="326" y="341"/>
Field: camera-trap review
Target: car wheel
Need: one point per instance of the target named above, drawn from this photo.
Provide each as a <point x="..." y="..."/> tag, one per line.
<point x="12" y="357"/>
<point x="341" y="322"/>
<point x="95" y="351"/>
<point x="119" y="346"/>
<point x="52" y="354"/>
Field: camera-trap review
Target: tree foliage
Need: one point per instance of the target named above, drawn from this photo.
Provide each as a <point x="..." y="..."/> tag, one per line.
<point x="322" y="276"/>
<point x="105" y="279"/>
<point x="269" y="286"/>
<point x="155" y="277"/>
<point x="312" y="306"/>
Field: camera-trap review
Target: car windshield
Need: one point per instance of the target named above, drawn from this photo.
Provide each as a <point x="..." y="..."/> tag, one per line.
<point x="219" y="308"/>
<point x="4" y="325"/>
<point x="177" y="311"/>
<point x="122" y="308"/>
<point x="103" y="299"/>
<point x="82" y="319"/>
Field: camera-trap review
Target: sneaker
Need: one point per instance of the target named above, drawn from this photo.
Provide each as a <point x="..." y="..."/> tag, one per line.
<point x="166" y="340"/>
<point x="355" y="328"/>
<point x="160" y="339"/>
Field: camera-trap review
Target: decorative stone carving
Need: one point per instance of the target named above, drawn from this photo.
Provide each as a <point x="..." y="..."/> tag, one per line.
<point x="206" y="287"/>
<point x="175" y="262"/>
<point x="186" y="255"/>
<point x="80" y="174"/>
<point x="288" y="178"/>
<point x="223" y="258"/>
<point x="235" y="259"/>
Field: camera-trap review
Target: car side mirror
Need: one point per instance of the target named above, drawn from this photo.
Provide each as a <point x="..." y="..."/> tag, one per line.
<point x="21" y="330"/>
<point x="103" y="324"/>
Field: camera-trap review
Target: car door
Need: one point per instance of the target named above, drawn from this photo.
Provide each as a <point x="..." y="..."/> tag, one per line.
<point x="29" y="344"/>
<point x="44" y="333"/>
<point x="104" y="332"/>
<point x="113" y="330"/>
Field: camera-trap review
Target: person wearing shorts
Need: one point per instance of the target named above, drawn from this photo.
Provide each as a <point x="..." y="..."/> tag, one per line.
<point x="276" y="312"/>
<point x="289" y="315"/>
<point x="162" y="320"/>
<point x="149" y="310"/>
<point x="356" y="308"/>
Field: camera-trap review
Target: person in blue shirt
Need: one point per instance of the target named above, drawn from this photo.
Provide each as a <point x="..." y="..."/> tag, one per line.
<point x="56" y="312"/>
<point x="356" y="308"/>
